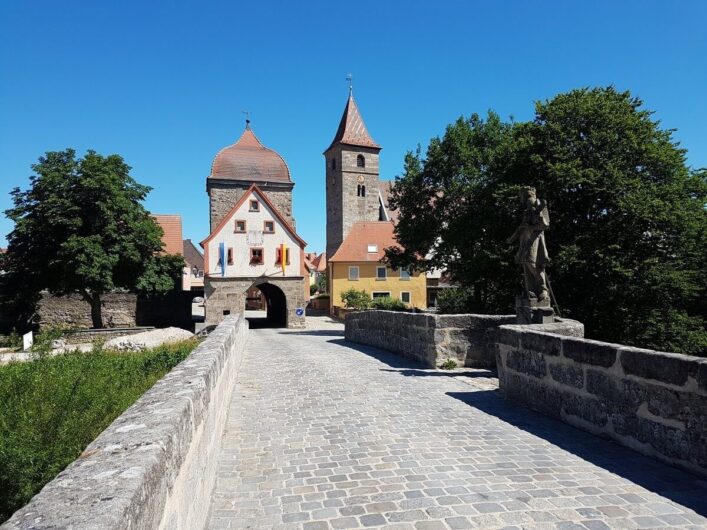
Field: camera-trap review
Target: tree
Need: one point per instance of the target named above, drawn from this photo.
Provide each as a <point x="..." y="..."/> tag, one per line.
<point x="81" y="228"/>
<point x="628" y="224"/>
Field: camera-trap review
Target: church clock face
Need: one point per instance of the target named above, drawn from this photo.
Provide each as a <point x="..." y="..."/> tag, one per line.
<point x="360" y="179"/>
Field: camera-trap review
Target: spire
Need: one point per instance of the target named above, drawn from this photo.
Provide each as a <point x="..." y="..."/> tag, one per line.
<point x="352" y="130"/>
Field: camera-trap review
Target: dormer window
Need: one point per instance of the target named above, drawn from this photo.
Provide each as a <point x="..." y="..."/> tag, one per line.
<point x="269" y="227"/>
<point x="254" y="206"/>
<point x="240" y="226"/>
<point x="360" y="161"/>
<point x="372" y="249"/>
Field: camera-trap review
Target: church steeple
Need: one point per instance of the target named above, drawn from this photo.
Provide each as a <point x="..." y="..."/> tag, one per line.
<point x="352" y="187"/>
<point x="352" y="129"/>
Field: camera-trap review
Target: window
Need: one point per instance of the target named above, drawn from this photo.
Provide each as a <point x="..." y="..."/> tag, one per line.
<point x="360" y="161"/>
<point x="404" y="274"/>
<point x="353" y="273"/>
<point x="240" y="226"/>
<point x="372" y="248"/>
<point x="269" y="227"/>
<point x="278" y="258"/>
<point x="381" y="273"/>
<point x="333" y="163"/>
<point x="361" y="191"/>
<point x="405" y="297"/>
<point x="254" y="206"/>
<point x="381" y="294"/>
<point x="229" y="259"/>
<point x="256" y="256"/>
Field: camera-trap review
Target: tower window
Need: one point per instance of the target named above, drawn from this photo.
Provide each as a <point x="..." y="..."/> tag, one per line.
<point x="360" y="161"/>
<point x="361" y="190"/>
<point x="333" y="163"/>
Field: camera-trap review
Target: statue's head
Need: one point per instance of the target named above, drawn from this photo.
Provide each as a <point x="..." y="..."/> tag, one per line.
<point x="527" y="195"/>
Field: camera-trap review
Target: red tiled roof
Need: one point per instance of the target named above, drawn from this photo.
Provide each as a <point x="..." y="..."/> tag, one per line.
<point x="172" y="237"/>
<point x="192" y="255"/>
<point x="249" y="160"/>
<point x="320" y="262"/>
<point x="352" y="130"/>
<point x="362" y="234"/>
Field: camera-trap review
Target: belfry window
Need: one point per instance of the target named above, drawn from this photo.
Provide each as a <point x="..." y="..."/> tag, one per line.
<point x="361" y="190"/>
<point x="360" y="161"/>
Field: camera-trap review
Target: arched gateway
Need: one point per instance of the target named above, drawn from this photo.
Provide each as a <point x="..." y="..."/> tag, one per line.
<point x="253" y="242"/>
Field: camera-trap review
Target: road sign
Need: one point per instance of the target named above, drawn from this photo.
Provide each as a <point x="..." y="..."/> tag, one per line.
<point x="299" y="311"/>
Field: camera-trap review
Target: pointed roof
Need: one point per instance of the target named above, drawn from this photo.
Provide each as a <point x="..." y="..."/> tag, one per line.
<point x="249" y="160"/>
<point x="352" y="130"/>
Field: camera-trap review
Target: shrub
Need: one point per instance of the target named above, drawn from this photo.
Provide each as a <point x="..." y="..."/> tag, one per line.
<point x="356" y="300"/>
<point x="449" y="364"/>
<point x="389" y="304"/>
<point x="312" y="289"/>
<point x="455" y="301"/>
<point x="54" y="406"/>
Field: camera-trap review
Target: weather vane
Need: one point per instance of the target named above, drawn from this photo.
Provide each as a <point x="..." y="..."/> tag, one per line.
<point x="349" y="78"/>
<point x="247" y="118"/>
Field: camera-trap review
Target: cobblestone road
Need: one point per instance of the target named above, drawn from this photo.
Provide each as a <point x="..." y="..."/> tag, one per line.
<point x="327" y="434"/>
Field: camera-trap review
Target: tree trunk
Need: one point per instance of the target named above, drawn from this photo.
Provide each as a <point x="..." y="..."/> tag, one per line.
<point x="96" y="315"/>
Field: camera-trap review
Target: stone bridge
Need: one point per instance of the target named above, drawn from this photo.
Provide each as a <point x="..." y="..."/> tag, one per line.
<point x="299" y="429"/>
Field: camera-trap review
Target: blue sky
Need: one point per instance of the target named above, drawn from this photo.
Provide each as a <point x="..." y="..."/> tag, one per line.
<point x="164" y="83"/>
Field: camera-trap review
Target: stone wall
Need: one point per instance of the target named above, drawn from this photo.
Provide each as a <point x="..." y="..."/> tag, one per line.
<point x="223" y="196"/>
<point x="429" y="338"/>
<point x="653" y="402"/>
<point x="155" y="465"/>
<point x="120" y="309"/>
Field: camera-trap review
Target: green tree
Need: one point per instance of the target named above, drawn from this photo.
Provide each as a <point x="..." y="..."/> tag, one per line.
<point x="81" y="228"/>
<point x="628" y="224"/>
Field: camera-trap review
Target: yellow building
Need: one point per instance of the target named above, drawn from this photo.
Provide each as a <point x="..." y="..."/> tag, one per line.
<point x="358" y="263"/>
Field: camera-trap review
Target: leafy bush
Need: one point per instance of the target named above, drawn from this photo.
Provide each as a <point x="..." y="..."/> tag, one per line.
<point x="54" y="406"/>
<point x="449" y="364"/>
<point x="13" y="340"/>
<point x="389" y="304"/>
<point x="312" y="289"/>
<point x="356" y="300"/>
<point x="455" y="301"/>
<point x="323" y="297"/>
<point x="44" y="339"/>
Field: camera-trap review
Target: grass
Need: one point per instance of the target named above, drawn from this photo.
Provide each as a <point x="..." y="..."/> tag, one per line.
<point x="449" y="364"/>
<point x="51" y="408"/>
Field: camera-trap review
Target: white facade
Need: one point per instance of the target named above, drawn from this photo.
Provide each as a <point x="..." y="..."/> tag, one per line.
<point x="255" y="236"/>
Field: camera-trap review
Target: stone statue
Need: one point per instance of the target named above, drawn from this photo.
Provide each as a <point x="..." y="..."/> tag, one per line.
<point x="532" y="256"/>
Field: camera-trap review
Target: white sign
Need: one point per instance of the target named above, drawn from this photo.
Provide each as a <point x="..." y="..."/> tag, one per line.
<point x="27" y="341"/>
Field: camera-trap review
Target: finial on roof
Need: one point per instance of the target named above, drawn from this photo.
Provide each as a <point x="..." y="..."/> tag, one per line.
<point x="247" y="118"/>
<point x="349" y="78"/>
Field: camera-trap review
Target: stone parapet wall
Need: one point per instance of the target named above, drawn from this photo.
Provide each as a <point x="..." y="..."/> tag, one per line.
<point x="652" y="402"/>
<point x="120" y="309"/>
<point x="155" y="465"/>
<point x="432" y="339"/>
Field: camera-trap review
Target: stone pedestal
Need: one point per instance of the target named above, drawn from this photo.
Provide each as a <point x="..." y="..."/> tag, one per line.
<point x="530" y="311"/>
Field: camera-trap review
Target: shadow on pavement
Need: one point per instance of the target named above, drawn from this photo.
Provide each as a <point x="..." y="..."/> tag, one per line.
<point x="679" y="486"/>
<point x="486" y="374"/>
<point x="317" y="332"/>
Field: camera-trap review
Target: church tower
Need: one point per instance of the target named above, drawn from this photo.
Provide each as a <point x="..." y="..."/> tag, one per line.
<point x="352" y="188"/>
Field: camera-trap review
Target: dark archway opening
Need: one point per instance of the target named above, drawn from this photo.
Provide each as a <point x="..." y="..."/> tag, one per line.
<point x="266" y="306"/>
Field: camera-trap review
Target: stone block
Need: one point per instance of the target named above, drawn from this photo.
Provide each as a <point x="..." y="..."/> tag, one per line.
<point x="589" y="351"/>
<point x="590" y="410"/>
<point x="541" y="342"/>
<point x="509" y="336"/>
<point x="620" y="393"/>
<point x="567" y="375"/>
<point x="666" y="367"/>
<point x="526" y="362"/>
